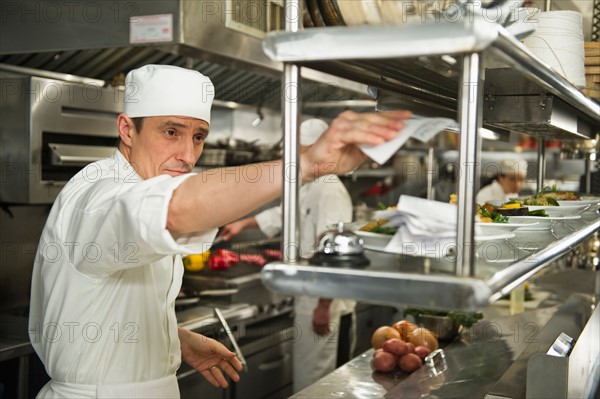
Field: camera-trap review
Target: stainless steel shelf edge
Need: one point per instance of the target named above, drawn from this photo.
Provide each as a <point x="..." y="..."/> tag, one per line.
<point x="505" y="280"/>
<point x="390" y="288"/>
<point x="379" y="42"/>
<point x="550" y="80"/>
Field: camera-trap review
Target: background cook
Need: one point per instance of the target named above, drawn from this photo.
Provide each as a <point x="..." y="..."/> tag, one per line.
<point x="323" y="202"/>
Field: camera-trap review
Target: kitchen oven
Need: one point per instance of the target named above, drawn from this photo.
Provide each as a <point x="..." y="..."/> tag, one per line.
<point x="265" y="337"/>
<point x="49" y="130"/>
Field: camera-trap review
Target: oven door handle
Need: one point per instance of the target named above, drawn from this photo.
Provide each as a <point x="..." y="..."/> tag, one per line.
<point x="275" y="363"/>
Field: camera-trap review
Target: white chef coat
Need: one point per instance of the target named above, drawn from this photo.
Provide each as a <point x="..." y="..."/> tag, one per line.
<point x="493" y="192"/>
<point x="323" y="203"/>
<point x="105" y="279"/>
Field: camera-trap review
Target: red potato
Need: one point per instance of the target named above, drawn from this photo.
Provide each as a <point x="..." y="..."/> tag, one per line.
<point x="409" y="362"/>
<point x="422" y="351"/>
<point x="411" y="348"/>
<point x="384" y="362"/>
<point x="395" y="346"/>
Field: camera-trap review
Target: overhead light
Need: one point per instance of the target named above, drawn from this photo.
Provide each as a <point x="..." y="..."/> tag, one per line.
<point x="259" y="119"/>
<point x="259" y="115"/>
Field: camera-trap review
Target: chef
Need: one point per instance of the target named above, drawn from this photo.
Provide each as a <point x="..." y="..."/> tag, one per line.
<point x="323" y="203"/>
<point x="108" y="266"/>
<point x="507" y="184"/>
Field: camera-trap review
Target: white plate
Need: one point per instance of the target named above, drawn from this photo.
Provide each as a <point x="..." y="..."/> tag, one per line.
<point x="503" y="226"/>
<point x="544" y="223"/>
<point x="594" y="203"/>
<point x="374" y="241"/>
<point x="378" y="242"/>
<point x="560" y="210"/>
<point x="493" y="235"/>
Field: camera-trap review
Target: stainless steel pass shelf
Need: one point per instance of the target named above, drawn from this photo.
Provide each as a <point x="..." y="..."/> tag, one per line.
<point x="440" y="67"/>
<point x="421" y="62"/>
<point x="395" y="279"/>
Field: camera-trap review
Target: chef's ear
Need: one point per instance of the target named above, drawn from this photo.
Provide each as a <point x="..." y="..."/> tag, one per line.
<point x="126" y="129"/>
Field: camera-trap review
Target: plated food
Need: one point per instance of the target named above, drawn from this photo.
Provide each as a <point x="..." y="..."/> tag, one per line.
<point x="561" y="210"/>
<point x="549" y="196"/>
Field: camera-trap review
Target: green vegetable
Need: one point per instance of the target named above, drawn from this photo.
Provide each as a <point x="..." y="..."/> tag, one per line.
<point x="539" y="212"/>
<point x="382" y="206"/>
<point x="499" y="218"/>
<point x="552" y="201"/>
<point x="464" y="319"/>
<point x="384" y="230"/>
<point x="495" y="216"/>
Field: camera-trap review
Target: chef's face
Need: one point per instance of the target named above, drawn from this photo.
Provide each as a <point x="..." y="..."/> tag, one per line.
<point x="165" y="145"/>
<point x="512" y="183"/>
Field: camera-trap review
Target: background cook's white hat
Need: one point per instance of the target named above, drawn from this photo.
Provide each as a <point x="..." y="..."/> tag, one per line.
<point x="513" y="166"/>
<point x="159" y="90"/>
<point x="311" y="130"/>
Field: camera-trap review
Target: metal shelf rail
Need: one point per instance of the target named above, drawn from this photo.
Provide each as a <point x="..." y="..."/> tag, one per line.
<point x="468" y="41"/>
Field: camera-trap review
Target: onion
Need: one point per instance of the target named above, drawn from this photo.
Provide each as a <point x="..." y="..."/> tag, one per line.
<point x="382" y="334"/>
<point x="404" y="327"/>
<point x="423" y="337"/>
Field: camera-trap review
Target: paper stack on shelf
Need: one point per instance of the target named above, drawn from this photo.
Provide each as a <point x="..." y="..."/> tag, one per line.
<point x="592" y="70"/>
<point x="425" y="227"/>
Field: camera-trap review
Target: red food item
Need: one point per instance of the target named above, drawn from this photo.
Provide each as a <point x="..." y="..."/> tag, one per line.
<point x="383" y="361"/>
<point x="222" y="259"/>
<point x="409" y="362"/>
<point x="411" y="348"/>
<point x="395" y="346"/>
<point x="253" y="258"/>
<point x="273" y="253"/>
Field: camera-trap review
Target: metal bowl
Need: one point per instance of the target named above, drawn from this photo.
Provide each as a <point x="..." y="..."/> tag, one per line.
<point x="446" y="328"/>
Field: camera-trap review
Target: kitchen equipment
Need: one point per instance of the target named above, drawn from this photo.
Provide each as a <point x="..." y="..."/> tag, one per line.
<point x="236" y="348"/>
<point x="446" y="328"/>
<point x="49" y="130"/>
<point x="340" y="247"/>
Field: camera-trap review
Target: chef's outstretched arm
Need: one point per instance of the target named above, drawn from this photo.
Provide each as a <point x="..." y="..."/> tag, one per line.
<point x="214" y="198"/>
<point x="209" y="357"/>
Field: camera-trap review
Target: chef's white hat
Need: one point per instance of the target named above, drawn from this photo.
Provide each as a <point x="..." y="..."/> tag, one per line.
<point x="311" y="130"/>
<point x="513" y="166"/>
<point x="160" y="90"/>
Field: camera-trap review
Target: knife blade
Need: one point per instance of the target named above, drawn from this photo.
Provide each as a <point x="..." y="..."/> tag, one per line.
<point x="236" y="348"/>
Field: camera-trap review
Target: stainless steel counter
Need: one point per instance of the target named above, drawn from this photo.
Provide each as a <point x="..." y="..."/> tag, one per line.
<point x="489" y="360"/>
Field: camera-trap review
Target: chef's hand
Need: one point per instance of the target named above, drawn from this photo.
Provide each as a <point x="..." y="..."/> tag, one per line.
<point x="233" y="229"/>
<point x="209" y="357"/>
<point x="321" y="317"/>
<point x="335" y="151"/>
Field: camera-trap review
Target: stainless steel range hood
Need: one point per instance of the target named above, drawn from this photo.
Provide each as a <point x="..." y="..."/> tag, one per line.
<point x="183" y="27"/>
<point x="222" y="39"/>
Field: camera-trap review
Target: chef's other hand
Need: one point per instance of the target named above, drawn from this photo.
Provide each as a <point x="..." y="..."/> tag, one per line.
<point x="209" y="357"/>
<point x="233" y="229"/>
<point x="335" y="151"/>
<point x="321" y="317"/>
